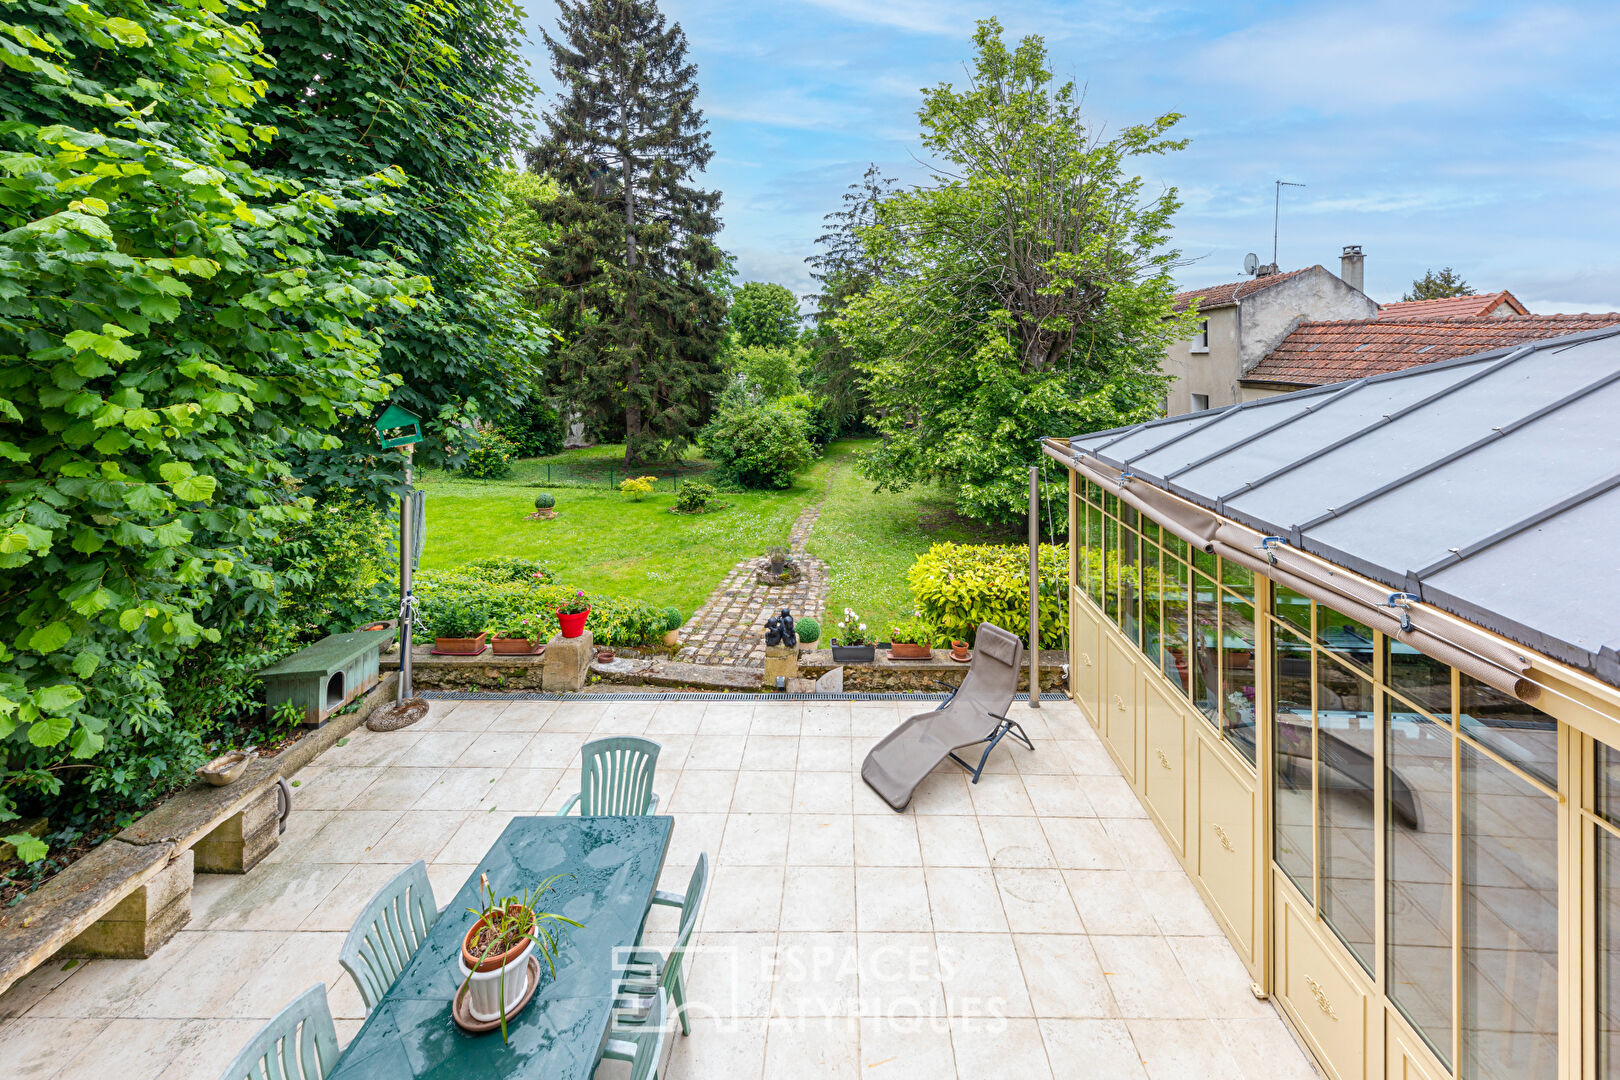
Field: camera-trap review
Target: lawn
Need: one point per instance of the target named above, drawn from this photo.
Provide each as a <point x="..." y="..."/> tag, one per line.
<point x="869" y="541"/>
<point x="600" y="540"/>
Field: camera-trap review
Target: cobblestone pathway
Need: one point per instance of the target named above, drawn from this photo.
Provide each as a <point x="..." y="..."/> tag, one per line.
<point x="729" y="628"/>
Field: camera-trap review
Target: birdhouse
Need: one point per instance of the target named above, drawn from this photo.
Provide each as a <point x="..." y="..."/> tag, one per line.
<point x="398" y="427"/>
<point x="324" y="677"/>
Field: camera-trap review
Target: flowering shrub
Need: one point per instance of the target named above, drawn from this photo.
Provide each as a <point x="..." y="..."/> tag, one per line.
<point x="525" y="626"/>
<point x="851" y="631"/>
<point x="637" y="487"/>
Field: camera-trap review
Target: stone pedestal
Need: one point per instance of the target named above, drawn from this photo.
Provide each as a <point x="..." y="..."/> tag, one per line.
<point x="144" y="920"/>
<point x="239" y="842"/>
<point x="781" y="662"/>
<point x="567" y="662"/>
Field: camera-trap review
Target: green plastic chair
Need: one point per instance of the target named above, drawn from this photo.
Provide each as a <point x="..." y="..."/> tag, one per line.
<point x="642" y="1044"/>
<point x="299" y="1043"/>
<point x="388" y="932"/>
<point x="647" y="971"/>
<point x="616" y="777"/>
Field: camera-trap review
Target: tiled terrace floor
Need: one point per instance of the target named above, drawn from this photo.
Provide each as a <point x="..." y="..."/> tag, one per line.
<point x="1032" y="926"/>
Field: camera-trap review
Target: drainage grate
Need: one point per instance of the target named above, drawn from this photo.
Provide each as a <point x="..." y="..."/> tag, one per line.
<point x="677" y="695"/>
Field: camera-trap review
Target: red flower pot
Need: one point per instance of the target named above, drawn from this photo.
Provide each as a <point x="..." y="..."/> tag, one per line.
<point x="573" y="624"/>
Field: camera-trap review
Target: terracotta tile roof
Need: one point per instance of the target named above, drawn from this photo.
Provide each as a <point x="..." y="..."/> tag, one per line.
<point x="1215" y="296"/>
<point x="1327" y="352"/>
<point x="1474" y="305"/>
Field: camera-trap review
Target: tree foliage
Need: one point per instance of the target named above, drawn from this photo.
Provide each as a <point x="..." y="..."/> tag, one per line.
<point x="758" y="445"/>
<point x="440" y="92"/>
<point x="1438" y="284"/>
<point x="173" y="323"/>
<point x="1026" y="292"/>
<point x="764" y="314"/>
<point x="632" y="269"/>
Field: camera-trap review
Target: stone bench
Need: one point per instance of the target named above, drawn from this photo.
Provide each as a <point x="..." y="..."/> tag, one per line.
<point x="131" y="894"/>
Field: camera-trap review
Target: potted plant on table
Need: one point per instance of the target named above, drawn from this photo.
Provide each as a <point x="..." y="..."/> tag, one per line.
<point x="911" y="639"/>
<point x="496" y="951"/>
<point x="572" y="613"/>
<point x="852" y="644"/>
<point x="519" y="637"/>
<point x="460" y="627"/>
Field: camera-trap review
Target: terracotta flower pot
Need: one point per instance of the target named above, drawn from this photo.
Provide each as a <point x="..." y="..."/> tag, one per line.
<point x="905" y="650"/>
<point x="460" y="646"/>
<point x="517" y="646"/>
<point x="959" y="650"/>
<point x="573" y="623"/>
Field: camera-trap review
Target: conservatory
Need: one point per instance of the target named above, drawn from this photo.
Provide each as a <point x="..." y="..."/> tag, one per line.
<point x="1354" y="648"/>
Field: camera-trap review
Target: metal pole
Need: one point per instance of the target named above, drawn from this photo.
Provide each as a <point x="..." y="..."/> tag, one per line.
<point x="1034" y="586"/>
<point x="407" y="605"/>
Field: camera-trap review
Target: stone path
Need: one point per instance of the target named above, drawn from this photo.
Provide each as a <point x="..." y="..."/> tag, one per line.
<point x="729" y="629"/>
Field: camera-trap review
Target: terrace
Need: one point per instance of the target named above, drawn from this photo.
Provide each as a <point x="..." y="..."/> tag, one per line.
<point x="1032" y="925"/>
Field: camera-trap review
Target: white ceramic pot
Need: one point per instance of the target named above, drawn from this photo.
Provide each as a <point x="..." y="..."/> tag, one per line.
<point x="484" y="992"/>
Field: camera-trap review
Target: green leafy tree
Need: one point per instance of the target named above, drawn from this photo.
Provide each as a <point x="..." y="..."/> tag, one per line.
<point x="772" y="370"/>
<point x="440" y="92"/>
<point x="173" y="323"/>
<point x="631" y="271"/>
<point x="1027" y="292"/>
<point x="844" y="268"/>
<point x="764" y="314"/>
<point x="1438" y="284"/>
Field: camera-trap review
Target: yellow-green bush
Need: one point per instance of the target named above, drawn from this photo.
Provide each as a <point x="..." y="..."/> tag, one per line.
<point x="959" y="586"/>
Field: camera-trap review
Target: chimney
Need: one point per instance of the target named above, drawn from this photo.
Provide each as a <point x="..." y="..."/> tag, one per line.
<point x="1352" y="268"/>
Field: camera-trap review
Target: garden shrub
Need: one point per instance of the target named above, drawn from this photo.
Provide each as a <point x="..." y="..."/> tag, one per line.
<point x="637" y="487"/>
<point x="535" y="431"/>
<point x="808" y="629"/>
<point x="695" y="497"/>
<point x="461" y="616"/>
<point x="959" y="586"/>
<point x="916" y="631"/>
<point x="614" y="620"/>
<point x="758" y="446"/>
<point x="673" y="619"/>
<point x="499" y="568"/>
<point x="491" y="459"/>
<point x="617" y="620"/>
<point x="545" y="501"/>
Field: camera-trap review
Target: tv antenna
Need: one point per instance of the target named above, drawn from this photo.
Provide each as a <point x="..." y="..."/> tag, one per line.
<point x="1276" y="211"/>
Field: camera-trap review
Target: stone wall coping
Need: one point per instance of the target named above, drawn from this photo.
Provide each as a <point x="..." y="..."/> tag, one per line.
<point x="67" y="905"/>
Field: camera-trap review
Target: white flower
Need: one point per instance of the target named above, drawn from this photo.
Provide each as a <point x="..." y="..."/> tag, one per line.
<point x="863" y="626"/>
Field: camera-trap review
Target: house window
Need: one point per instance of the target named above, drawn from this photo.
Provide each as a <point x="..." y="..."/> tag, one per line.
<point x="1200" y="402"/>
<point x="1200" y="341"/>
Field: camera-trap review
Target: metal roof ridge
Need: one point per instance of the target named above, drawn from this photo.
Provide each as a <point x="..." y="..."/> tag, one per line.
<point x="1218" y="415"/>
<point x="1333" y="395"/>
<point x="1495" y="434"/>
<point x="1456" y="556"/>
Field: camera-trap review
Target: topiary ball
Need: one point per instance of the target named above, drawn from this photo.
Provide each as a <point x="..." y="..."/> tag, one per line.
<point x="545" y="501"/>
<point x="672" y="619"/>
<point x="808" y="629"/>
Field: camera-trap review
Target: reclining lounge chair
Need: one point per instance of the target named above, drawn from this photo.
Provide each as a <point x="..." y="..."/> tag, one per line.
<point x="974" y="714"/>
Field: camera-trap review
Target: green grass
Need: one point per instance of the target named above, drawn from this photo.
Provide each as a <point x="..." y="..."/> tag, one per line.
<point x="600" y="541"/>
<point x="869" y="541"/>
<point x="593" y="467"/>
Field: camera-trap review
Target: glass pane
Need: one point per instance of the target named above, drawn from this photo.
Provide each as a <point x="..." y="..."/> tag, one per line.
<point x="1344" y="637"/>
<point x="1176" y="664"/>
<point x="1509" y="924"/>
<point x="1174" y="546"/>
<point x="1608" y="955"/>
<point x="1152" y="634"/>
<point x="1417" y="844"/>
<point x="1237" y="673"/>
<point x="1608" y="783"/>
<point x="1150" y="529"/>
<point x="1344" y="746"/>
<point x="1203" y="561"/>
<point x="1291" y="742"/>
<point x="1110" y="504"/>
<point x="1292" y="608"/>
<point x="1093" y="493"/>
<point x="1419" y="678"/>
<point x="1237" y="578"/>
<point x="1111" y="570"/>
<point x="1206" y="675"/>
<point x="1129" y="583"/>
<point x="1094" y="555"/>
<point x="1518" y="732"/>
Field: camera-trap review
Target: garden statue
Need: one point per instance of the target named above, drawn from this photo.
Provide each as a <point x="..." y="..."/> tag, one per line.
<point x="779" y="630"/>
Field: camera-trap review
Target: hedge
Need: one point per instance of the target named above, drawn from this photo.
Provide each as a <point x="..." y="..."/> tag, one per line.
<point x="503" y="590"/>
<point x="959" y="586"/>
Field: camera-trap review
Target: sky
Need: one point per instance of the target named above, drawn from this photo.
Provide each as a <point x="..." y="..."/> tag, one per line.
<point x="1481" y="136"/>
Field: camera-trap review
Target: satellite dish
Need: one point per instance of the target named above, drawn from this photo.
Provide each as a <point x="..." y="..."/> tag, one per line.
<point x="1251" y="263"/>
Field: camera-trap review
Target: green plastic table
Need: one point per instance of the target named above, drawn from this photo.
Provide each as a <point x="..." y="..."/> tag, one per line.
<point x="615" y="863"/>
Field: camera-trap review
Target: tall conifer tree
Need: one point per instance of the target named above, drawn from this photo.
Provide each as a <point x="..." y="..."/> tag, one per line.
<point x="634" y="242"/>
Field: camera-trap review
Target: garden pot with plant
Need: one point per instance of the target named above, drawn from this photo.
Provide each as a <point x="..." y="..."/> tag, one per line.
<point x="672" y="626"/>
<point x="809" y="632"/>
<point x="543" y="506"/>
<point x="960" y="651"/>
<point x="519" y="637"/>
<point x="853" y="643"/>
<point x="497" y="973"/>
<point x="911" y="639"/>
<point x="460" y="627"/>
<point x="572" y="613"/>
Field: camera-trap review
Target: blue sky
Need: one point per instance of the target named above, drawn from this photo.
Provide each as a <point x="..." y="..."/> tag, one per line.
<point x="1477" y="135"/>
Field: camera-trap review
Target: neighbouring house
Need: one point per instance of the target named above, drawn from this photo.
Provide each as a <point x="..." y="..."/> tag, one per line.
<point x="1497" y="305"/>
<point x="1317" y="353"/>
<point x="1243" y="321"/>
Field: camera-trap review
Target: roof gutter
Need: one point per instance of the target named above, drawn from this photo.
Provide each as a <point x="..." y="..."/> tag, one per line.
<point x="1400" y="616"/>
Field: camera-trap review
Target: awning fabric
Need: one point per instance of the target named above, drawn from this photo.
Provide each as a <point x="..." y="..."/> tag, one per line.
<point x="1474" y="653"/>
